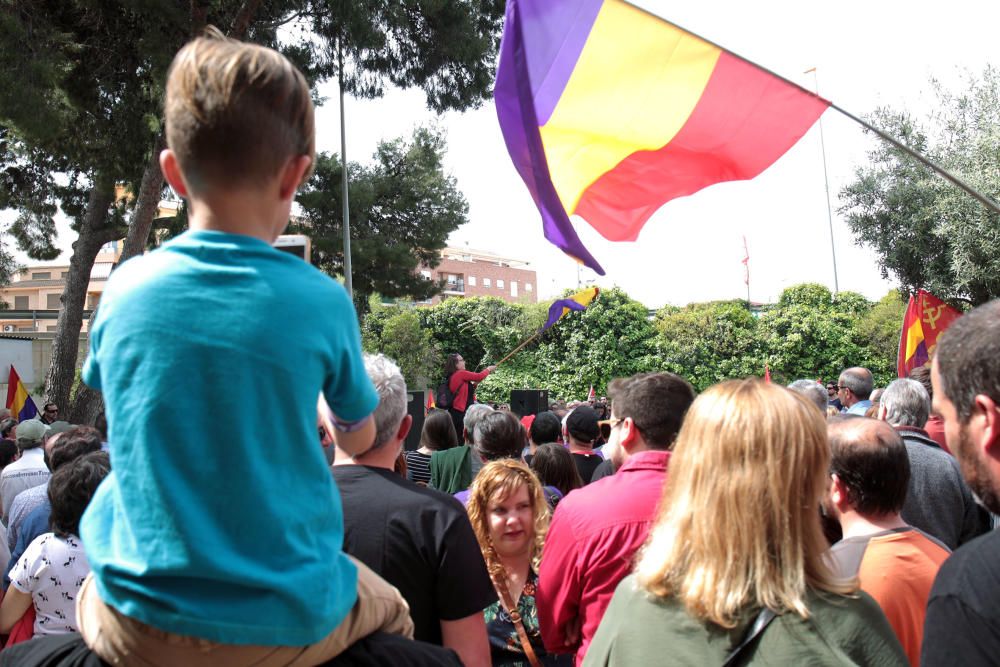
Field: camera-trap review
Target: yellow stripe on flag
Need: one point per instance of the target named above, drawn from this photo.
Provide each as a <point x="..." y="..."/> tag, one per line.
<point x="634" y="86"/>
<point x="914" y="337"/>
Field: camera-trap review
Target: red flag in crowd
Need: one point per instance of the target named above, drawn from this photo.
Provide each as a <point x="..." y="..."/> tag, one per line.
<point x="926" y="318"/>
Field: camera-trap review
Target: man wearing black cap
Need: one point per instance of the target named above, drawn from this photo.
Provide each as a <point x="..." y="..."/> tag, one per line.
<point x="581" y="433"/>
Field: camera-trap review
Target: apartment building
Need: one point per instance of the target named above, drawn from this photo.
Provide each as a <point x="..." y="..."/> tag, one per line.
<point x="33" y="295"/>
<point x="468" y="273"/>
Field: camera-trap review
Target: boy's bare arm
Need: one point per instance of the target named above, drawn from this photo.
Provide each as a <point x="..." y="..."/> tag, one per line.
<point x="356" y="443"/>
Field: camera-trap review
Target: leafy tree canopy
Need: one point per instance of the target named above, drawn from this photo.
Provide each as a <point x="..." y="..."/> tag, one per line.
<point x="403" y="207"/>
<point x="926" y="232"/>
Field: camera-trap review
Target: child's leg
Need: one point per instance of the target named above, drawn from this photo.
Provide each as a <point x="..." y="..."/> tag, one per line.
<point x="119" y="639"/>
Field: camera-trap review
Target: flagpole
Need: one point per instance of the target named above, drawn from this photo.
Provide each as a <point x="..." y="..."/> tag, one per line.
<point x="944" y="173"/>
<point x="826" y="181"/>
<point x="519" y="347"/>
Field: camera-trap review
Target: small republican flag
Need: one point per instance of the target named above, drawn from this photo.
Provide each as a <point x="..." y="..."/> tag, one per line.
<point x="591" y="396"/>
<point x="18" y="399"/>
<point x="767" y="373"/>
<point x="579" y="301"/>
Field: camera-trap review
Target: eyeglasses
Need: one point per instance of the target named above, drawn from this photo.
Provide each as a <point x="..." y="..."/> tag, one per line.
<point x="52" y="412"/>
<point x="610" y="423"/>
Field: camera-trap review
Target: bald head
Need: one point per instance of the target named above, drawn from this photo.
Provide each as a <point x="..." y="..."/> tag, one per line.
<point x="869" y="457"/>
<point x="859" y="381"/>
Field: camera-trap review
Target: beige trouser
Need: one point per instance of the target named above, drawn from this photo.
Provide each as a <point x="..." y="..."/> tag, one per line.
<point x="121" y="640"/>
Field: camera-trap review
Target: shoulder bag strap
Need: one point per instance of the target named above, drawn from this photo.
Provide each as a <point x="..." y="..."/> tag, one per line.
<point x="515" y="616"/>
<point x="756" y="629"/>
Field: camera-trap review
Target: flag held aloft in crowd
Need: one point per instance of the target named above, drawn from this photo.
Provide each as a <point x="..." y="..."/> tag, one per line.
<point x="926" y="318"/>
<point x="608" y="112"/>
<point x="18" y="399"/>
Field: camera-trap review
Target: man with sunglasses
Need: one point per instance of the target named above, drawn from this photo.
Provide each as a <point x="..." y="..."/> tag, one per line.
<point x="597" y="530"/>
<point x="50" y="413"/>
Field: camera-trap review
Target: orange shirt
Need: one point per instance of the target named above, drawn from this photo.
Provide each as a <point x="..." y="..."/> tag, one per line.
<point x="898" y="570"/>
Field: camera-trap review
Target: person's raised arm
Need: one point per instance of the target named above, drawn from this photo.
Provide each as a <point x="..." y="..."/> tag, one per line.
<point x="458" y="377"/>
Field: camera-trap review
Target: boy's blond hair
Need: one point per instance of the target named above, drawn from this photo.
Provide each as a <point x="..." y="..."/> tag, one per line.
<point x="235" y="113"/>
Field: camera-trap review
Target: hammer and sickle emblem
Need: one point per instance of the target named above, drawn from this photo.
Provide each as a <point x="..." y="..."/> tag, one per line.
<point x="932" y="315"/>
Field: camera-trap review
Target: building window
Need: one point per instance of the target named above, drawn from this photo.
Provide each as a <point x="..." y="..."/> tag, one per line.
<point x="41" y="275"/>
<point x="452" y="279"/>
<point x="52" y="301"/>
<point x="20" y="303"/>
<point x="499" y="284"/>
<point x="527" y="287"/>
<point x="426" y="274"/>
<point x="472" y="281"/>
<point x="110" y="246"/>
<point x="486" y="282"/>
<point x="513" y="288"/>
<point x="26" y="328"/>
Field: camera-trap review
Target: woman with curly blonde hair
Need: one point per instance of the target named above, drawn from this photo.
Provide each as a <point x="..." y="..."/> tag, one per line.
<point x="737" y="547"/>
<point x="510" y="517"/>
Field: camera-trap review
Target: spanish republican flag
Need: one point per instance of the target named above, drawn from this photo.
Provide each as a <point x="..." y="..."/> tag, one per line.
<point x="18" y="399"/>
<point x="609" y="112"/>
<point x="926" y="318"/>
<point x="579" y="301"/>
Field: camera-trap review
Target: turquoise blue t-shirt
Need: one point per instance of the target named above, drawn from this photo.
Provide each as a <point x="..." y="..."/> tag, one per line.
<point x="220" y="518"/>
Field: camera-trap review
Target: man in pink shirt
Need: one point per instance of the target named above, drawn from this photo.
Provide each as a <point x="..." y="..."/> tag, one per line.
<point x="597" y="530"/>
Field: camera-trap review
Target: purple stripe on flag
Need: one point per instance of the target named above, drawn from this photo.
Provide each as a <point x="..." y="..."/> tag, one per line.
<point x="557" y="32"/>
<point x="28" y="411"/>
<point x="920" y="356"/>
<point x="556" y="310"/>
<point x="519" y="124"/>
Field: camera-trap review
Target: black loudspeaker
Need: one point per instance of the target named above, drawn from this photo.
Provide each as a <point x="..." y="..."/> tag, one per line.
<point x="416" y="404"/>
<point x="524" y="402"/>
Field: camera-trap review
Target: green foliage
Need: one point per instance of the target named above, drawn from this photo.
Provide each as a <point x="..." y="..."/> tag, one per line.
<point x="612" y="338"/>
<point x="402" y="207"/>
<point x="927" y="232"/>
<point x="709" y="342"/>
<point x="807" y="334"/>
<point x="483" y="330"/>
<point x="880" y="330"/>
<point x="412" y="347"/>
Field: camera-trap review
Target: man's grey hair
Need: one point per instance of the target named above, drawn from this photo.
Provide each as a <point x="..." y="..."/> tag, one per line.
<point x="859" y="381"/>
<point x="473" y="414"/>
<point x="906" y="403"/>
<point x="812" y="391"/>
<point x="391" y="388"/>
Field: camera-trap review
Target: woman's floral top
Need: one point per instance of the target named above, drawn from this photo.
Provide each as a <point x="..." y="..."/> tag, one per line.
<point x="505" y="645"/>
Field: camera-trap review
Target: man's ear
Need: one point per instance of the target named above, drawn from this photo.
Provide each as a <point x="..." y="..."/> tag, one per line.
<point x="404" y="427"/>
<point x="172" y="172"/>
<point x="630" y="434"/>
<point x="985" y="425"/>
<point x="838" y="493"/>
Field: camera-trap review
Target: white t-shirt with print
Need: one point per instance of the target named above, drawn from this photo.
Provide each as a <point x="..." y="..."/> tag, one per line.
<point x="52" y="570"/>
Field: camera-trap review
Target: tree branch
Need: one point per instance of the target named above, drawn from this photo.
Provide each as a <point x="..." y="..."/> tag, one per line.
<point x="243" y="19"/>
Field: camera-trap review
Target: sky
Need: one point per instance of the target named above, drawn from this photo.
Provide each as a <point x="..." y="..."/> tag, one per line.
<point x="866" y="54"/>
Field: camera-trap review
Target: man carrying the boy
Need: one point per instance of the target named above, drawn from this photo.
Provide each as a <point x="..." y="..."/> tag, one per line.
<point x="210" y="543"/>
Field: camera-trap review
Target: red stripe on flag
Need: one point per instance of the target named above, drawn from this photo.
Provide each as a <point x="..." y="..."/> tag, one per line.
<point x="745" y="120"/>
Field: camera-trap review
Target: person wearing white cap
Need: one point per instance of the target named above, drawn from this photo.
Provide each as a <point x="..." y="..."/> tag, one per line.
<point x="30" y="469"/>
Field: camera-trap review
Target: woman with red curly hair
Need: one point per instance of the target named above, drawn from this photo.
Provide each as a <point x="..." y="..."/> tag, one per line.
<point x="510" y="516"/>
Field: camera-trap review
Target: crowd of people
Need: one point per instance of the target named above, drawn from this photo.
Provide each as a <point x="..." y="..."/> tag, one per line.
<point x="750" y="524"/>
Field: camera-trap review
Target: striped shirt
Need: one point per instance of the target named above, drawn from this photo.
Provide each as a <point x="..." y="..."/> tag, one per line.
<point x="418" y="467"/>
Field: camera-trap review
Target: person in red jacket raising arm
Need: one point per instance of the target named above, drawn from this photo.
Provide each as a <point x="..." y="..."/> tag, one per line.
<point x="461" y="387"/>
